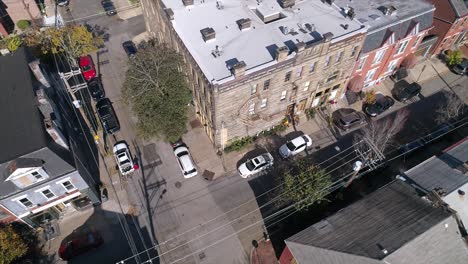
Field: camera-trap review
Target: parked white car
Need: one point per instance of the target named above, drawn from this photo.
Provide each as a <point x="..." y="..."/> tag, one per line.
<point x="295" y="146"/>
<point x="255" y="165"/>
<point x="123" y="158"/>
<point x="185" y="161"/>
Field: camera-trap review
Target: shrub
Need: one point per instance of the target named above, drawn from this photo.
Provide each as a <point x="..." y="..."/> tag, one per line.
<point x="454" y="57"/>
<point x="370" y="97"/>
<point x="13" y="43"/>
<point x="310" y="113"/>
<point x="239" y="144"/>
<point x="23" y="24"/>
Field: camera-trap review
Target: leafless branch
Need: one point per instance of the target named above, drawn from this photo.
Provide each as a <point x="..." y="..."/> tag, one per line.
<point x="450" y="109"/>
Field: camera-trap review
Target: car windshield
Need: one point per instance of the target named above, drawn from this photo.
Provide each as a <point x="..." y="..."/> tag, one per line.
<point x="290" y="146"/>
<point x="250" y="166"/>
<point x="126" y="166"/>
<point x="183" y="153"/>
<point x="87" y="68"/>
<point x="190" y="171"/>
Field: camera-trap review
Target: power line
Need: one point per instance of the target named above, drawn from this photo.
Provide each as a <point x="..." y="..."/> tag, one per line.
<point x="292" y="205"/>
<point x="253" y="199"/>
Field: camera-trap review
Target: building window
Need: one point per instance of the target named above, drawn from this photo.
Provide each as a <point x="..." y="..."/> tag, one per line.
<point x="312" y="67"/>
<point x="402" y="47"/>
<point x="417" y="41"/>
<point x="391" y="66"/>
<point x="253" y="89"/>
<point x="48" y="194"/>
<point x="306" y="85"/>
<point x="252" y="109"/>
<point x="298" y="72"/>
<point x="36" y="175"/>
<point x="391" y="40"/>
<point x="68" y="185"/>
<point x="266" y="84"/>
<point x="354" y="51"/>
<point x="370" y="75"/>
<point x="362" y="61"/>
<point x="415" y="30"/>
<point x="379" y="55"/>
<point x="287" y="77"/>
<point x="264" y="103"/>
<point x="339" y="56"/>
<point x="333" y="76"/>
<point x="283" y="95"/>
<point x="26" y="202"/>
<point x="327" y="61"/>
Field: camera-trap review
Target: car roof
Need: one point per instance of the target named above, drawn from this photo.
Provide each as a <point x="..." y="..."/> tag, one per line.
<point x="103" y="102"/>
<point x="298" y="141"/>
<point x="258" y="160"/>
<point x="186" y="162"/>
<point x="120" y="145"/>
<point x="84" y="60"/>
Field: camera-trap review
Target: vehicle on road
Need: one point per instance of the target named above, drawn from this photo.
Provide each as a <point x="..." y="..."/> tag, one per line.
<point x="403" y="91"/>
<point x="461" y="68"/>
<point x="109" y="7"/>
<point x="255" y="165"/>
<point x="87" y="67"/>
<point x="95" y="89"/>
<point x="129" y="48"/>
<point x="347" y="118"/>
<point x="185" y="160"/>
<point x="381" y="104"/>
<point x="80" y="245"/>
<point x="63" y="2"/>
<point x="107" y="116"/>
<point x="295" y="146"/>
<point x="123" y="157"/>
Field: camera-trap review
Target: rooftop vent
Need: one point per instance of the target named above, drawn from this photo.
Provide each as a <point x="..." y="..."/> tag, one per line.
<point x="389" y="10"/>
<point x="350" y="13"/>
<point x="461" y="192"/>
<point x="282" y="53"/>
<point x="328" y="36"/>
<point x="374" y="17"/>
<point x="244" y="23"/>
<point x="330" y="2"/>
<point x="169" y="13"/>
<point x="238" y="69"/>
<point x="385" y="251"/>
<point x="269" y="13"/>
<point x="310" y="27"/>
<point x="219" y="5"/>
<point x="208" y="34"/>
<point x="187" y="2"/>
<point x="217" y="52"/>
<point x="287" y="3"/>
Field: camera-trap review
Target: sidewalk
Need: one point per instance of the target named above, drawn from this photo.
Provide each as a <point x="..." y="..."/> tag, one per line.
<point x="263" y="254"/>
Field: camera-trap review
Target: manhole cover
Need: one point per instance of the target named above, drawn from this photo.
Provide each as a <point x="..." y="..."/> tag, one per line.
<point x="208" y="175"/>
<point x="195" y="123"/>
<point x="178" y="185"/>
<point x="202" y="255"/>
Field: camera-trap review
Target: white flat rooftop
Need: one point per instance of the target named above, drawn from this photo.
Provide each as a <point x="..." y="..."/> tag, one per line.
<point x="307" y="19"/>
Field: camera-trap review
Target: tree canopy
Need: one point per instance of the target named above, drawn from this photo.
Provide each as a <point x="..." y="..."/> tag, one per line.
<point x="12" y="245"/>
<point x="304" y="184"/>
<point x="157" y="90"/>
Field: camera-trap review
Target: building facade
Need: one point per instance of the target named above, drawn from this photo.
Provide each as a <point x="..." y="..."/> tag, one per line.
<point x="450" y="24"/>
<point x="252" y="63"/>
<point x="396" y="29"/>
<point x="43" y="166"/>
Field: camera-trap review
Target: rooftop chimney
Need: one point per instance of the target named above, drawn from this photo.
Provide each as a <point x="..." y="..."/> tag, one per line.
<point x="287" y="3"/>
<point x="281" y="53"/>
<point x="300" y="46"/>
<point x="208" y="34"/>
<point x="328" y="36"/>
<point x="389" y="10"/>
<point x="187" y="2"/>
<point x="239" y="69"/>
<point x="244" y="23"/>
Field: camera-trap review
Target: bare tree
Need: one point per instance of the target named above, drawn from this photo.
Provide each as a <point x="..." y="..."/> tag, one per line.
<point x="373" y="140"/>
<point x="450" y="109"/>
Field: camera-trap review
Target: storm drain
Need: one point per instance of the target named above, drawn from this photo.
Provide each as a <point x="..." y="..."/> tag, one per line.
<point x="178" y="185"/>
<point x="202" y="255"/>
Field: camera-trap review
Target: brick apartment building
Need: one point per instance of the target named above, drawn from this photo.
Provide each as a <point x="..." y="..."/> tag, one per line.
<point x="450" y="24"/>
<point x="252" y="62"/>
<point x="395" y="29"/>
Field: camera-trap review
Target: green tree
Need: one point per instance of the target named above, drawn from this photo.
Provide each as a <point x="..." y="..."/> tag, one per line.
<point x="454" y="57"/>
<point x="304" y="184"/>
<point x="12" y="245"/>
<point x="73" y="40"/>
<point x="157" y="90"/>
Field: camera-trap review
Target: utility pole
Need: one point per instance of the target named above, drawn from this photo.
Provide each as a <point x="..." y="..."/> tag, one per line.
<point x="371" y="158"/>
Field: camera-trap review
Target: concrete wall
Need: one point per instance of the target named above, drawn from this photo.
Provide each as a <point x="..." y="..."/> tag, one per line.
<point x="459" y="203"/>
<point x="38" y="198"/>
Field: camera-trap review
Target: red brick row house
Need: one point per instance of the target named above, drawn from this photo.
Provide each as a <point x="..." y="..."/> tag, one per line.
<point x="450" y="24"/>
<point x="395" y="30"/>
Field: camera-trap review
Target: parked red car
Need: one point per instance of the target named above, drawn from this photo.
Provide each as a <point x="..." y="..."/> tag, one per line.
<point x="80" y="245"/>
<point x="87" y="67"/>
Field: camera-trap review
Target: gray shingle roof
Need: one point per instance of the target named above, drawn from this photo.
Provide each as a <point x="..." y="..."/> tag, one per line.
<point x="22" y="127"/>
<point x="388" y="218"/>
<point x="460" y="7"/>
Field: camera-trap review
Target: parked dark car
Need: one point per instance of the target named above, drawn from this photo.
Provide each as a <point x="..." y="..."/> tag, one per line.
<point x="347" y="118"/>
<point x="107" y="115"/>
<point x="80" y="245"/>
<point x="461" y="68"/>
<point x="129" y="48"/>
<point x="109" y="7"/>
<point x="382" y="104"/>
<point x="403" y="91"/>
<point x="96" y="89"/>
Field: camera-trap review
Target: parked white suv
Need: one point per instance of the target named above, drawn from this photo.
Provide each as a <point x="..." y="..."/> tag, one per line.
<point x="255" y="165"/>
<point x="123" y="157"/>
<point x="185" y="161"/>
<point x="295" y="146"/>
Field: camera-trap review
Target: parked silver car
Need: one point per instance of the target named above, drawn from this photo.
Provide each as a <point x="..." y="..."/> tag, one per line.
<point x="255" y="165"/>
<point x="295" y="146"/>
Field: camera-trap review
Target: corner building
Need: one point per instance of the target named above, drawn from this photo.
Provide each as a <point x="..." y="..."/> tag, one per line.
<point x="252" y="62"/>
